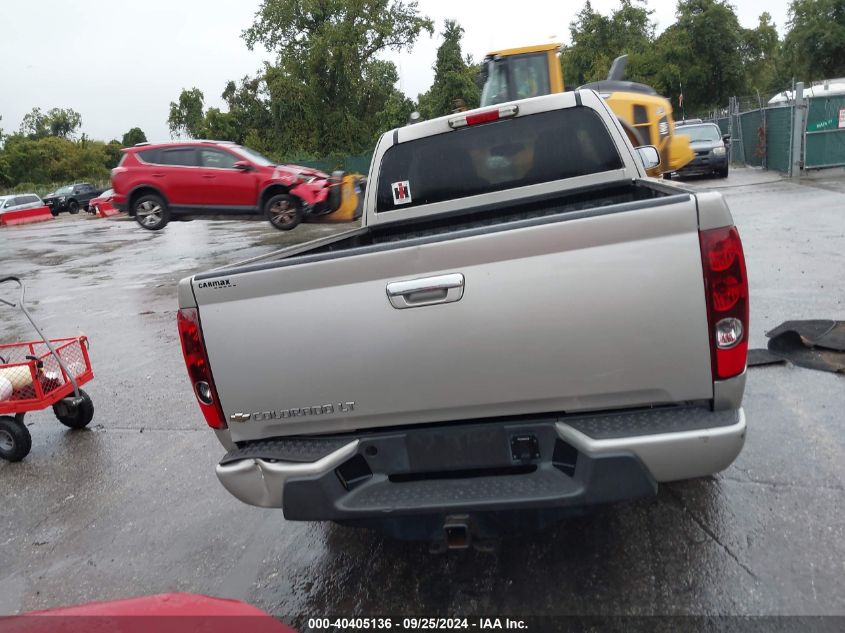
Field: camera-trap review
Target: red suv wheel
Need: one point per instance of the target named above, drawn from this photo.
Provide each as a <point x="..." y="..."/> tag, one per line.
<point x="283" y="211"/>
<point x="151" y="212"/>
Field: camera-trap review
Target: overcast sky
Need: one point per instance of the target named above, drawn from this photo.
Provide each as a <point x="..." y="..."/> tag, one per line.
<point x="120" y="64"/>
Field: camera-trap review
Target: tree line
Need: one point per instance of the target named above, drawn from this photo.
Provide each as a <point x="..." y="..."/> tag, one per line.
<point x="329" y="90"/>
<point x="706" y="55"/>
<point x="48" y="149"/>
<point x="329" y="93"/>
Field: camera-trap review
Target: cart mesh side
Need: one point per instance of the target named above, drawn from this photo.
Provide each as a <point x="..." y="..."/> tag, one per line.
<point x="22" y="380"/>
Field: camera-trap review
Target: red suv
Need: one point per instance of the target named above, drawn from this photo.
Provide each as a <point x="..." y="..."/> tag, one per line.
<point x="157" y="183"/>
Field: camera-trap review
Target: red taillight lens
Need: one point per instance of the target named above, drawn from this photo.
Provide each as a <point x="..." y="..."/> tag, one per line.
<point x="726" y="290"/>
<point x="487" y="116"/>
<point x="723" y="254"/>
<point x="199" y="370"/>
<point x="483" y="117"/>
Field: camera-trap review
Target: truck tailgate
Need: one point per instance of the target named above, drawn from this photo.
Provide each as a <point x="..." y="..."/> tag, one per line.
<point x="585" y="314"/>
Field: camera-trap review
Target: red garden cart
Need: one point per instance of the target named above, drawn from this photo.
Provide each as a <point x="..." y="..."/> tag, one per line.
<point x="37" y="374"/>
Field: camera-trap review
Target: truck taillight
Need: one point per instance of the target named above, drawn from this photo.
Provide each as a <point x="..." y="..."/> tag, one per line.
<point x="199" y="370"/>
<point x="726" y="289"/>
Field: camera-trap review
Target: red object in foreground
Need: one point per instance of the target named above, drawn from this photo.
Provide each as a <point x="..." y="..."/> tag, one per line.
<point x="25" y="216"/>
<point x="726" y="290"/>
<point x="163" y="613"/>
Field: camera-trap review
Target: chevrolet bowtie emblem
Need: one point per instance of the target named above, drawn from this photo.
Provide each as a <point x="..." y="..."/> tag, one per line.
<point x="240" y="417"/>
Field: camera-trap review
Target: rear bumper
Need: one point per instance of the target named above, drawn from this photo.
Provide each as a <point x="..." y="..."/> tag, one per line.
<point x="570" y="462"/>
<point x="671" y="454"/>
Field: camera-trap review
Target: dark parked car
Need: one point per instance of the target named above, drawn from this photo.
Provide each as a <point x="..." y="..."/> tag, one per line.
<point x="71" y="198"/>
<point x="710" y="147"/>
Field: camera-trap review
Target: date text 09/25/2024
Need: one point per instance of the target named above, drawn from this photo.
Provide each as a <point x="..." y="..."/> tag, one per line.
<point x="417" y="624"/>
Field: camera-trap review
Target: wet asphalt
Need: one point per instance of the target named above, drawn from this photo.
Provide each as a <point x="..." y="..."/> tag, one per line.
<point x="131" y="506"/>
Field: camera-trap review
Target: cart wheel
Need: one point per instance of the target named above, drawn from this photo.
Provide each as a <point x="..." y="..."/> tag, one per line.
<point x="75" y="417"/>
<point x="15" y="440"/>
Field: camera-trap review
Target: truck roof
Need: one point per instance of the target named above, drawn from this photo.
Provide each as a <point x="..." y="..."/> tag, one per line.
<point x="523" y="107"/>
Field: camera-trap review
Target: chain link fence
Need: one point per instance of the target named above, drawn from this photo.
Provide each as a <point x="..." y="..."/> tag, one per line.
<point x="759" y="132"/>
<point x="761" y="128"/>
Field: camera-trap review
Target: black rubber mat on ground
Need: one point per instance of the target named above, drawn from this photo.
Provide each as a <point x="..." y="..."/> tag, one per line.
<point x="759" y="357"/>
<point x="822" y="333"/>
<point x="815" y="344"/>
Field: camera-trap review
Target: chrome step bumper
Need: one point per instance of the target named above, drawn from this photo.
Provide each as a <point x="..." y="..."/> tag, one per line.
<point x="261" y="483"/>
<point x="666" y="445"/>
<point x="671" y="455"/>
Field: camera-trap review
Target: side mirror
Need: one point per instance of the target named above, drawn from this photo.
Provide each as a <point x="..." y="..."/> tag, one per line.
<point x="243" y="165"/>
<point x="726" y="138"/>
<point x="649" y="156"/>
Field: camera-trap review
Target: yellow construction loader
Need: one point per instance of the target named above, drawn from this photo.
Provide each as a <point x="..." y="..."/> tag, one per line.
<point x="531" y="71"/>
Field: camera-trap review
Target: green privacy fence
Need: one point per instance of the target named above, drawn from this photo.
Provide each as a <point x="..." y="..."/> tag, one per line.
<point x="762" y="136"/>
<point x="359" y="163"/>
<point x="825" y="139"/>
<point x="778" y="138"/>
<point x="737" y="145"/>
<point x="759" y="138"/>
<point x="752" y="132"/>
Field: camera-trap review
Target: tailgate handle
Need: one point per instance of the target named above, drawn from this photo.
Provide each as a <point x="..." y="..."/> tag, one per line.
<point x="426" y="291"/>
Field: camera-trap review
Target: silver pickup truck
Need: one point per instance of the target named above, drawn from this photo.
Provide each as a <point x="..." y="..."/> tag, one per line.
<point x="524" y="325"/>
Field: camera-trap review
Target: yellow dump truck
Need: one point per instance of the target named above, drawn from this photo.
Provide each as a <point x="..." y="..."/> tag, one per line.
<point x="531" y="71"/>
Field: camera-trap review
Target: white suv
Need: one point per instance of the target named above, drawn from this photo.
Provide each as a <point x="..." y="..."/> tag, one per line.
<point x="20" y="201"/>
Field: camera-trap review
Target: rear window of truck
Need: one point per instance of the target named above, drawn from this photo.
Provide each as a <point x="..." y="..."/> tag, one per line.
<point x="495" y="156"/>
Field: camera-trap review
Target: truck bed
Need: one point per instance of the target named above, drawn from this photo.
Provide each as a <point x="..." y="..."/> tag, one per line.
<point x="624" y="196"/>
